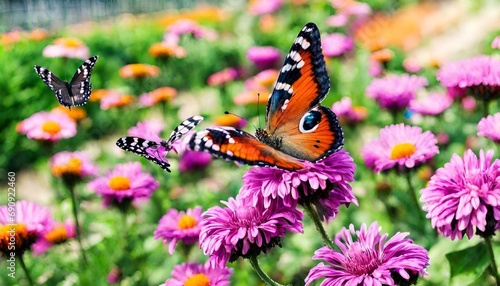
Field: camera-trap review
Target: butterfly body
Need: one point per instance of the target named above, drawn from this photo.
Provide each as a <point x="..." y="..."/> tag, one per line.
<point x="156" y="151"/>
<point x="75" y="92"/>
<point x="298" y="127"/>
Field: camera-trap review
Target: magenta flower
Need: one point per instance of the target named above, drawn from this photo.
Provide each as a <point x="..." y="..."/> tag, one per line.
<point x="395" y="92"/>
<point x="148" y="129"/>
<point x="480" y="76"/>
<point x="262" y="7"/>
<point x="22" y="223"/>
<point x="375" y="68"/>
<point x="47" y="126"/>
<point x="495" y="44"/>
<point x="191" y="161"/>
<point x="370" y="260"/>
<point x="431" y="104"/>
<point x="190" y="27"/>
<point x="399" y="146"/>
<point x="264" y="57"/>
<point x="223" y="76"/>
<point x="325" y="184"/>
<point x="126" y="182"/>
<point x="336" y="44"/>
<point x="177" y="226"/>
<point x="199" y="274"/>
<point x="245" y="229"/>
<point x="57" y="234"/>
<point x="464" y="196"/>
<point x="490" y="127"/>
<point x="74" y="164"/>
<point x="347" y="113"/>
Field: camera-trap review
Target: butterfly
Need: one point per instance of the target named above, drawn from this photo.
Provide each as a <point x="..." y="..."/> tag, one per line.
<point x="298" y="128"/>
<point x="73" y="93"/>
<point x="156" y="151"/>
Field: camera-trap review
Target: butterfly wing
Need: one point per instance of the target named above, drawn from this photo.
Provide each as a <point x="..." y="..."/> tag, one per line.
<point x="58" y="86"/>
<point x="294" y="116"/>
<point x="81" y="87"/>
<point x="151" y="150"/>
<point x="237" y="145"/>
<point x="184" y="128"/>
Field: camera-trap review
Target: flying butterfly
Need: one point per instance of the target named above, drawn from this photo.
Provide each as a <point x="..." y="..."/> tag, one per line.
<point x="73" y="93"/>
<point x="298" y="127"/>
<point x="156" y="151"/>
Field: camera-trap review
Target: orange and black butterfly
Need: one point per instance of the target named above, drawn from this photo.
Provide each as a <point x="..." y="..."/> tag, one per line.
<point x="298" y="128"/>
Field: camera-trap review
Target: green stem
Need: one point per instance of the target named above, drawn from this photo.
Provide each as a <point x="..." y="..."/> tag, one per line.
<point x="267" y="280"/>
<point x="411" y="189"/>
<point x="493" y="264"/>
<point x="485" y="108"/>
<point x="313" y="215"/>
<point x="25" y="269"/>
<point x="71" y="188"/>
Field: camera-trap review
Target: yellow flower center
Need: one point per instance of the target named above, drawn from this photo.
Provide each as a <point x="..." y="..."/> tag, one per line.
<point x="51" y="127"/>
<point x="119" y="183"/>
<point x="74" y="166"/>
<point x="57" y="235"/>
<point x="18" y="234"/>
<point x="402" y="150"/>
<point x="187" y="222"/>
<point x="197" y="280"/>
<point x="69" y="42"/>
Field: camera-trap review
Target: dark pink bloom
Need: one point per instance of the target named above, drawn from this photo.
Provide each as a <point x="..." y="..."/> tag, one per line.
<point x="375" y="68"/>
<point x="490" y="127"/>
<point x="264" y="57"/>
<point x="199" y="274"/>
<point x="347" y="113"/>
<point x="148" y="129"/>
<point x="261" y="7"/>
<point x="57" y="234"/>
<point x="245" y="229"/>
<point x="47" y="126"/>
<point x="464" y="196"/>
<point x="399" y="146"/>
<point x="336" y="44"/>
<point x="223" y="76"/>
<point x="177" y="226"/>
<point x="395" y="92"/>
<point x="189" y="160"/>
<point x="187" y="26"/>
<point x="370" y="260"/>
<point x="73" y="164"/>
<point x="431" y="104"/>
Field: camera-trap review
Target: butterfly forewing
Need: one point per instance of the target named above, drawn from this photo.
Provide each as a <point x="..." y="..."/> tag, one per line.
<point x="183" y="128"/>
<point x="58" y="86"/>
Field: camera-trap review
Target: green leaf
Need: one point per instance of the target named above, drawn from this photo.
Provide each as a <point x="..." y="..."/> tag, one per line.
<point x="467" y="265"/>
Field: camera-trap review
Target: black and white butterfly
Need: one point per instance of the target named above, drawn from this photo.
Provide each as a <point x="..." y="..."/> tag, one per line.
<point x="73" y="93"/>
<point x="156" y="151"/>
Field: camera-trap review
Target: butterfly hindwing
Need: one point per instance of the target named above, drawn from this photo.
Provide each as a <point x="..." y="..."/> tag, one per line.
<point x="154" y="151"/>
<point x="237" y="145"/>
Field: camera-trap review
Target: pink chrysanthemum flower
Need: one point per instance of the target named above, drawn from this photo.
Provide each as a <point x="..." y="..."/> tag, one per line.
<point x="187" y="27"/>
<point x="76" y="164"/>
<point x="490" y="127"/>
<point x="464" y="196"/>
<point x="162" y="94"/>
<point x="336" y="44"/>
<point x="395" y="92"/>
<point x="347" y="113"/>
<point x="115" y="99"/>
<point x="399" y="146"/>
<point x="177" y="226"/>
<point x="370" y="260"/>
<point x="67" y="48"/>
<point x="245" y="229"/>
<point x="148" y="129"/>
<point x="199" y="274"/>
<point x="57" y="234"/>
<point x="223" y="76"/>
<point x="126" y="182"/>
<point x="431" y="104"/>
<point x="480" y="76"/>
<point x="495" y="44"/>
<point x="262" y="7"/>
<point x="264" y="57"/>
<point x="189" y="160"/>
<point x="47" y="126"/>
<point x="23" y="223"/>
<point x="412" y="66"/>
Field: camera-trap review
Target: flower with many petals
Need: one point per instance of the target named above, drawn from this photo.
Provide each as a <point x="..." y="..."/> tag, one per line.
<point x="148" y="129"/>
<point x="177" y="226"/>
<point x="72" y="164"/>
<point x="166" y="50"/>
<point x="230" y="120"/>
<point x="495" y="44"/>
<point x="370" y="260"/>
<point x="256" y="86"/>
<point x="464" y="196"/>
<point x="22" y="223"/>
<point x="47" y="126"/>
<point x="399" y="146"/>
<point x="264" y="57"/>
<point x="57" y="234"/>
<point x="115" y="99"/>
<point x="188" y="26"/>
<point x="347" y="113"/>
<point x="431" y="104"/>
<point x="223" y="76"/>
<point x="490" y="127"/>
<point x="126" y="182"/>
<point x="245" y="229"/>
<point x="395" y="92"/>
<point x="336" y="44"/>
<point x="67" y="48"/>
<point x="139" y="71"/>
<point x="199" y="274"/>
<point x="480" y="76"/>
<point x="75" y="113"/>
<point x="162" y="94"/>
<point x="262" y="7"/>
<point x="189" y="160"/>
<point x="324" y="184"/>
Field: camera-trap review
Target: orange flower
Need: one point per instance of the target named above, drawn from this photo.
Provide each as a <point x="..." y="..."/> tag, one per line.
<point x="69" y="42"/>
<point x="10" y="37"/>
<point x="115" y="99"/>
<point x="382" y="56"/>
<point x="139" y="71"/>
<point x="165" y="93"/>
<point x="206" y="13"/>
<point x="98" y="94"/>
<point x="230" y="120"/>
<point x="166" y="50"/>
<point x="258" y="96"/>
<point x="267" y="23"/>
<point x="75" y="113"/>
<point x="67" y="48"/>
<point x="38" y="35"/>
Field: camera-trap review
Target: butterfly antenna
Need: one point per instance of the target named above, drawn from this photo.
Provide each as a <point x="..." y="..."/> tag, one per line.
<point x="241" y="117"/>
<point x="258" y="108"/>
